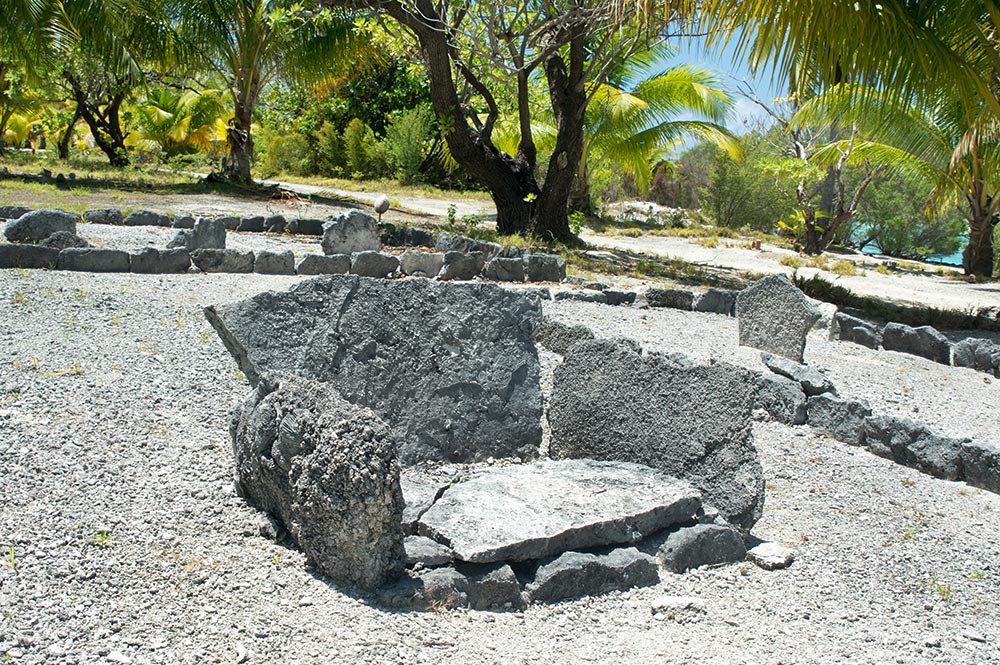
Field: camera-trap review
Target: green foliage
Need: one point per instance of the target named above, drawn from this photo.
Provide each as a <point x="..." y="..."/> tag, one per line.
<point x="171" y="123"/>
<point x="405" y="140"/>
<point x="362" y="154"/>
<point x="754" y="192"/>
<point x="576" y="221"/>
<point x="282" y="153"/>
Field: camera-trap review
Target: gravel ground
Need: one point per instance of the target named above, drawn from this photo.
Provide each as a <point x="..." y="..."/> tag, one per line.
<point x="129" y="544"/>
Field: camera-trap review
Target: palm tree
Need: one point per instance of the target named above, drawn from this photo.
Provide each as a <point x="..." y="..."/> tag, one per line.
<point x="247" y="43"/>
<point x="176" y="122"/>
<point x="956" y="147"/>
<point x="632" y="121"/>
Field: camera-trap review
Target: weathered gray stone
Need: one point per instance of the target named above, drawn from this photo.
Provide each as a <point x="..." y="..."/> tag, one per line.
<point x="576" y="574"/>
<point x="104" y="216"/>
<point x="447" y="242"/>
<point x="320" y="264"/>
<point x="305" y="226"/>
<point x="422" y="552"/>
<point x="531" y="511"/>
<point x="699" y="545"/>
<point x="156" y="261"/>
<point x="781" y="398"/>
<point x="843" y="419"/>
<point x="64" y="239"/>
<point x="514" y="252"/>
<point x="558" y="337"/>
<point x="545" y="268"/>
<point x="459" y="266"/>
<point x="771" y="556"/>
<point x="979" y="354"/>
<point x="610" y="402"/>
<point x="39" y="224"/>
<point x="184" y="222"/>
<point x="619" y="297"/>
<point x="275" y="224"/>
<point x="229" y="223"/>
<point x="222" y="260"/>
<point x="775" y="316"/>
<point x="349" y="232"/>
<point x="677" y="604"/>
<point x="251" y="224"/>
<point x="328" y="470"/>
<point x="582" y="295"/>
<point x="274" y="263"/>
<point x="420" y="491"/>
<point x="912" y="444"/>
<point x="859" y="331"/>
<point x="373" y="264"/>
<point x="414" y="237"/>
<point x="672" y="298"/>
<point x="503" y="269"/>
<point x="813" y="381"/>
<point x="451" y="367"/>
<point x="181" y="239"/>
<point x="594" y="286"/>
<point x="543" y="293"/>
<point x="716" y="301"/>
<point x="146" y="218"/>
<point x="208" y="233"/>
<point x="421" y="264"/>
<point x="981" y="464"/>
<point x="924" y="341"/>
<point x="381" y="204"/>
<point x="28" y="256"/>
<point x="88" y="259"/>
<point x="434" y="588"/>
<point x="492" y="586"/>
<point x="13" y="212"/>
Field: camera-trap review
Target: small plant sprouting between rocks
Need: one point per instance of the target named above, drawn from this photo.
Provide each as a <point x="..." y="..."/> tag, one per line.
<point x="239" y="375"/>
<point x="909" y="534"/>
<point x="203" y="337"/>
<point x="452" y="212"/>
<point x="942" y="589"/>
<point x="103" y="539"/>
<point x="977" y="574"/>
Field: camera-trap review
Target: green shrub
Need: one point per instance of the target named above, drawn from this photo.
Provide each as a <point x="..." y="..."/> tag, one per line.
<point x="405" y="141"/>
<point x="282" y="152"/>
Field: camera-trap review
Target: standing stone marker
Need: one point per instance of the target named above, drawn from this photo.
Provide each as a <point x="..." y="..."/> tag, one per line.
<point x="775" y="316"/>
<point x="450" y="367"/>
<point x="610" y="402"/>
<point x="349" y="232"/>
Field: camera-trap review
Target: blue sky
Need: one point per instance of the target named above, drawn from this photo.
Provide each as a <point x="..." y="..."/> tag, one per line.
<point x="746" y="115"/>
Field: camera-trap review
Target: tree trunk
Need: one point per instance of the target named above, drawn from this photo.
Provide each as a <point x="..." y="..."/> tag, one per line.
<point x="105" y="126"/>
<point x="977" y="259"/>
<point x="236" y="167"/>
<point x="812" y="240"/>
<point x="67" y="136"/>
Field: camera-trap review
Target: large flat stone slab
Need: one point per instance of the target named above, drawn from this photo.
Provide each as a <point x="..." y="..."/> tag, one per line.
<point x="451" y="368"/>
<point x="532" y="511"/>
<point x="611" y="402"/>
<point x="775" y="316"/>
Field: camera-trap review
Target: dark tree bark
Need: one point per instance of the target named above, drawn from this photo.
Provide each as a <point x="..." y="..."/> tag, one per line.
<point x="67" y="135"/>
<point x="236" y="166"/>
<point x="100" y="109"/>
<point x="977" y="259"/>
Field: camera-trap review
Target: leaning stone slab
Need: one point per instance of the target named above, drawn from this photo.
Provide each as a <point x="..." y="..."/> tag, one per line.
<point x="320" y="264"/>
<point x="813" y="381"/>
<point x="545" y="268"/>
<point x="558" y="337"/>
<point x="146" y="218"/>
<point x="979" y="354"/>
<point x="532" y="511"/>
<point x="503" y="269"/>
<point x="781" y="398"/>
<point x="421" y="264"/>
<point x="699" y="545"/>
<point x="39" y="224"/>
<point x="843" y="419"/>
<point x="582" y="295"/>
<point x="328" y="470"/>
<point x="28" y="256"/>
<point x="912" y="444"/>
<point x="460" y="266"/>
<point x="349" y="232"/>
<point x="208" y="233"/>
<point x="859" y="331"/>
<point x="576" y="574"/>
<point x="156" y="261"/>
<point x="93" y="260"/>
<point x="924" y="341"/>
<point x="981" y="464"/>
<point x="274" y="263"/>
<point x="451" y="367"/>
<point x="775" y="316"/>
<point x="420" y="491"/>
<point x="611" y="402"/>
<point x="222" y="260"/>
<point x="373" y="264"/>
<point x="104" y="216"/>
<point x="672" y="298"/>
<point x="716" y="301"/>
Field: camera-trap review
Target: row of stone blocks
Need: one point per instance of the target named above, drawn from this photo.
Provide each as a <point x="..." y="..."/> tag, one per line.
<point x="797" y="394"/>
<point x="924" y="341"/>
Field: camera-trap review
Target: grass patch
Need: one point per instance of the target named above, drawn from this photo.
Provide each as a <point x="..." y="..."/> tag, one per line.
<point x="711" y="242"/>
<point x="845" y="268"/>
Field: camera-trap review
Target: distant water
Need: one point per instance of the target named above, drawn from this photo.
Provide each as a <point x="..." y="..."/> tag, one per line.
<point x="948" y="260"/>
